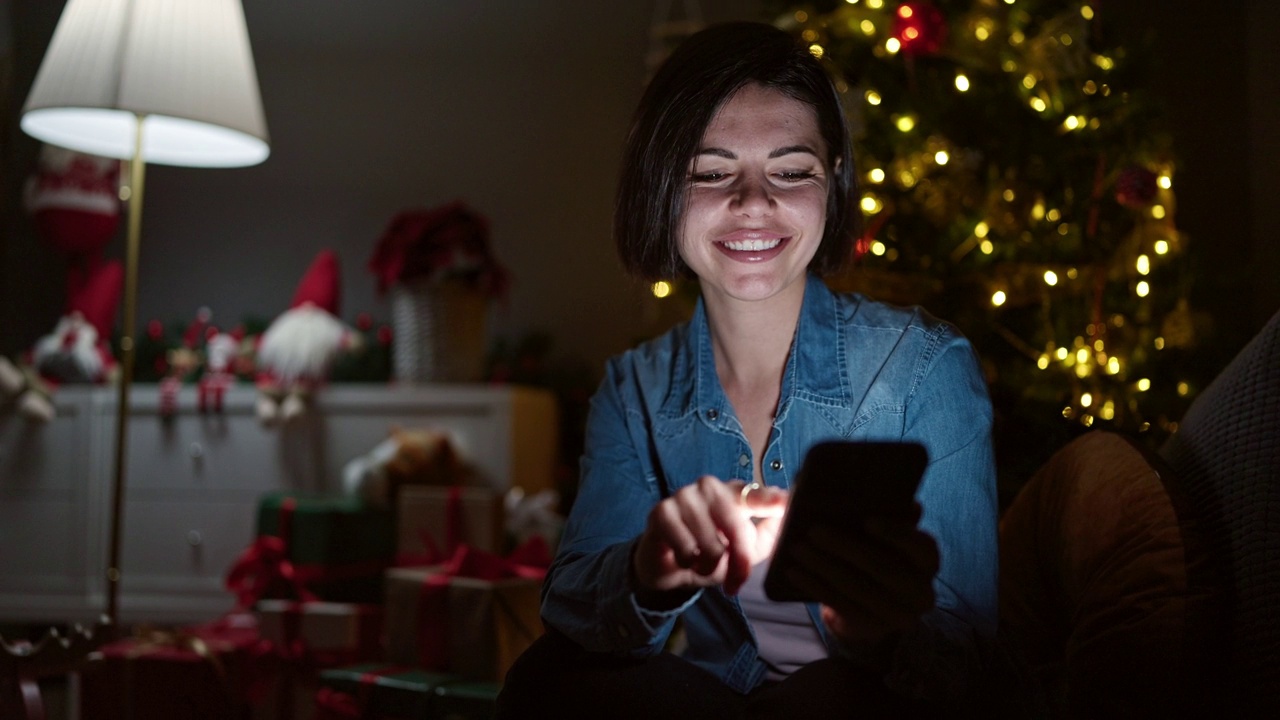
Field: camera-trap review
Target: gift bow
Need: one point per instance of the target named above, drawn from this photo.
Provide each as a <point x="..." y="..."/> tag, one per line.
<point x="529" y="561"/>
<point x="266" y="561"/>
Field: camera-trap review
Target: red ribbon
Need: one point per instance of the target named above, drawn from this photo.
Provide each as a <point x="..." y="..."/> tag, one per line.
<point x="453" y="533"/>
<point x="529" y="561"/>
<point x="336" y="705"/>
<point x="266" y="562"/>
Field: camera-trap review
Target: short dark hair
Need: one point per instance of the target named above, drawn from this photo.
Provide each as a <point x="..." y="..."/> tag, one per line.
<point x="685" y="93"/>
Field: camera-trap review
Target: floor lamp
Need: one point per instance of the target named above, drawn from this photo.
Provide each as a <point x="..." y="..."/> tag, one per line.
<point x="169" y="82"/>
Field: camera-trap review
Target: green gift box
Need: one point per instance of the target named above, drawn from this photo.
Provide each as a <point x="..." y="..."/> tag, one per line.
<point x="381" y="690"/>
<point x="339" y="547"/>
<point x="466" y="701"/>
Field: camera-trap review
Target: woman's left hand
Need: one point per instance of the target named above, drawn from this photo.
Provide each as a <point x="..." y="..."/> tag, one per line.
<point x="872" y="584"/>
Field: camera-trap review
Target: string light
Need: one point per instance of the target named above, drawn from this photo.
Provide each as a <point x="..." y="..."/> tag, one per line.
<point x="816" y="50"/>
<point x="1143" y="289"/>
<point x="986" y="247"/>
<point x="998" y="298"/>
<point x="1165" y="182"/>
<point x="1183" y="389"/>
<point x="962" y="82"/>
<point x="1162" y="247"/>
<point x="1143" y="265"/>
<point x="877" y="248"/>
<point x="868" y="28"/>
<point x="1113" y="366"/>
<point x="1157" y="212"/>
<point x="941" y="157"/>
<point x="1042" y="362"/>
<point x="905" y="123"/>
<point x="1144" y="385"/>
<point x="981" y="229"/>
<point x="1050" y="277"/>
<point x="871" y="204"/>
<point x="1062" y="353"/>
<point x="1086" y="12"/>
<point x="876" y="175"/>
<point x="661" y="289"/>
<point x="1086" y="400"/>
<point x="892" y="46"/>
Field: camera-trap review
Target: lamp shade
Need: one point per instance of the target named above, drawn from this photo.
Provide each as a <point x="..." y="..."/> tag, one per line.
<point x="183" y="66"/>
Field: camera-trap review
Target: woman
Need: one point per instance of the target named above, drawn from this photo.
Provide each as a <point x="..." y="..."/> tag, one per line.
<point x="739" y="171"/>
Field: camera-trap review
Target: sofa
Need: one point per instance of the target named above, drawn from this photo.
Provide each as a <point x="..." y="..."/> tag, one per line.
<point x="1147" y="584"/>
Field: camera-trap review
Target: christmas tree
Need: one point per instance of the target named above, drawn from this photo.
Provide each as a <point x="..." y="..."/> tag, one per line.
<point x="1015" y="179"/>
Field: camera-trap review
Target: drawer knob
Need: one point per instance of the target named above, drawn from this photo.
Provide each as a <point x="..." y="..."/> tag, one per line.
<point x="194" y="538"/>
<point x="196" y="450"/>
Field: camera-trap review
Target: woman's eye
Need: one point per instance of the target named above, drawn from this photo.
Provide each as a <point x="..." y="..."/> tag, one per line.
<point x="796" y="175"/>
<point x="712" y="176"/>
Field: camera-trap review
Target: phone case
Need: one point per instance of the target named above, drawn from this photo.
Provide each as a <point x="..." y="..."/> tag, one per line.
<point x="840" y="484"/>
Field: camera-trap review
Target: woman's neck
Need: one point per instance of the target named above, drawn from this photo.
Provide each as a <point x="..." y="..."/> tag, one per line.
<point x="752" y="340"/>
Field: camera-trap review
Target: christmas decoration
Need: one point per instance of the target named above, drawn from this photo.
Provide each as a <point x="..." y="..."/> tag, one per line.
<point x="73" y="199"/>
<point x="1015" y="179"/>
<point x="78" y="349"/>
<point x="297" y="351"/>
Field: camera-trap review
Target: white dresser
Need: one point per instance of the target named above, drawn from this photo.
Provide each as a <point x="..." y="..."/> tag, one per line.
<point x="193" y="483"/>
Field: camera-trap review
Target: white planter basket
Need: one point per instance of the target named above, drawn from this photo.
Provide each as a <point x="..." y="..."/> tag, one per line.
<point x="439" y="332"/>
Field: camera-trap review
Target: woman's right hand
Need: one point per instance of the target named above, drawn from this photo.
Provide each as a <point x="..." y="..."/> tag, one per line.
<point x="708" y="533"/>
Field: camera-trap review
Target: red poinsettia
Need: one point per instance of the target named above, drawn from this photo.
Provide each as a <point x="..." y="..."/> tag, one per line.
<point x="449" y="242"/>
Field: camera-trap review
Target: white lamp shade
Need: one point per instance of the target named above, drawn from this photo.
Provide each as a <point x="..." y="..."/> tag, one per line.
<point x="183" y="66"/>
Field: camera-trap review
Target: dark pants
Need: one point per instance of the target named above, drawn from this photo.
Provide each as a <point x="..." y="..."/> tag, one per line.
<point x="555" y="678"/>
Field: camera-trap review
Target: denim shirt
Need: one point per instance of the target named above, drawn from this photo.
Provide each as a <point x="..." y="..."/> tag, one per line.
<point x="857" y="370"/>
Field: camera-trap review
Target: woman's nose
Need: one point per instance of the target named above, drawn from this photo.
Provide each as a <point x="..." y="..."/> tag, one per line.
<point x="752" y="197"/>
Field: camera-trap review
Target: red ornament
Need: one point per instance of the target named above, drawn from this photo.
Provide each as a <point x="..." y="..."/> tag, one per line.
<point x="1136" y="187"/>
<point x="920" y="28"/>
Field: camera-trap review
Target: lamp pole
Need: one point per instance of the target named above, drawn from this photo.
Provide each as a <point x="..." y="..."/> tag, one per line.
<point x="137" y="177"/>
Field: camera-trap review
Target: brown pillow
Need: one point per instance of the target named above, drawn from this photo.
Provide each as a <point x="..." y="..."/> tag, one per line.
<point x="1105" y="588"/>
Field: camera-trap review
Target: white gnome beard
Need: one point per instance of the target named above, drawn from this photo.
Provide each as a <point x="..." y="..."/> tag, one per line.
<point x="301" y="344"/>
<point x="76" y="361"/>
<point x="221" y="350"/>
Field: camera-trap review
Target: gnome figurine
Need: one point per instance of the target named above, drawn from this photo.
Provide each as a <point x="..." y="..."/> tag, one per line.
<point x="78" y="349"/>
<point x="298" y="349"/>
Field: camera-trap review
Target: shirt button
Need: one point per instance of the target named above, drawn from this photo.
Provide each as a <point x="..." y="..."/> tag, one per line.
<point x="743" y="460"/>
<point x="776" y="465"/>
<point x="713" y="414"/>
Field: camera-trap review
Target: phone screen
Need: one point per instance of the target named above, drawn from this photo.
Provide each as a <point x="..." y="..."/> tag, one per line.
<point x="839" y="485"/>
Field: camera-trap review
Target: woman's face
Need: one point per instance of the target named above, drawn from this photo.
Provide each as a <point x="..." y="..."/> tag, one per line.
<point x="757" y="202"/>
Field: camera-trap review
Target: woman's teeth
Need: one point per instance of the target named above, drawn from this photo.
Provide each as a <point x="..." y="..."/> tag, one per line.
<point x="752" y="245"/>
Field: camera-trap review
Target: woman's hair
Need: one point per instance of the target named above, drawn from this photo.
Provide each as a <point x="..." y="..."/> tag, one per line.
<point x="672" y="117"/>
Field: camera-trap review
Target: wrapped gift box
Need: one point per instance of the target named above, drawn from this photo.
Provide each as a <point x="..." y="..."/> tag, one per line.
<point x="443" y="620"/>
<point x="379" y="691"/>
<point x="432" y="521"/>
<point x="466" y="700"/>
<point x="338" y="547"/>
<point x="322" y="633"/>
<point x="217" y="670"/>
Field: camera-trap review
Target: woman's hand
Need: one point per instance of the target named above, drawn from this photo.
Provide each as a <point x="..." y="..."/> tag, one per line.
<point x="708" y="533"/>
<point x="872" y="584"/>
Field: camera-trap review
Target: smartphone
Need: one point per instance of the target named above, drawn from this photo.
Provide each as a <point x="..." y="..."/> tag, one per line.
<point x="840" y="484"/>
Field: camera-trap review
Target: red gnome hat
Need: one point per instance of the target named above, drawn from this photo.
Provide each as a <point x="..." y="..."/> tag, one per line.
<point x="98" y="298"/>
<point x="321" y="285"/>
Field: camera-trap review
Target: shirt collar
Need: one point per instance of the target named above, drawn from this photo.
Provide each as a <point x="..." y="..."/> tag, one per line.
<point x="817" y="346"/>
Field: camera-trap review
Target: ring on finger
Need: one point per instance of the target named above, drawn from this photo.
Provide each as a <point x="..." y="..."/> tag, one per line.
<point x="749" y="488"/>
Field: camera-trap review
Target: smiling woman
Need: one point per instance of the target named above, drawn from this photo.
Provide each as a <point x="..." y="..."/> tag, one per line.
<point x="737" y="172"/>
<point x="757" y="200"/>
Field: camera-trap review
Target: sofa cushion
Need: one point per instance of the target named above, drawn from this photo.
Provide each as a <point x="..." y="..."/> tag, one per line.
<point x="1227" y="453"/>
<point x="1105" y="586"/>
